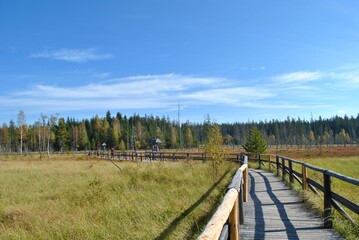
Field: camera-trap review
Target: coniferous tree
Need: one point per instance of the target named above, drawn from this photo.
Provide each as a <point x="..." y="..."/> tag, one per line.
<point x="255" y="143"/>
<point x="84" y="140"/>
<point x="62" y="135"/>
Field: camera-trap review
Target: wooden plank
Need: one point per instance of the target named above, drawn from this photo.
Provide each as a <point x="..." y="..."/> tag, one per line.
<point x="318" y="169"/>
<point x="236" y="180"/>
<point x="291" y="180"/>
<point x="316" y="184"/>
<point x="233" y="222"/>
<point x="276" y="212"/>
<point x="240" y="207"/>
<point x="298" y="179"/>
<point x="304" y="177"/>
<point x="283" y="169"/>
<point x="224" y="233"/>
<point x="342" y="211"/>
<point x="245" y="184"/>
<point x="277" y="164"/>
<point x="343" y="178"/>
<point x="297" y="173"/>
<point x="328" y="217"/>
<point x="346" y="202"/>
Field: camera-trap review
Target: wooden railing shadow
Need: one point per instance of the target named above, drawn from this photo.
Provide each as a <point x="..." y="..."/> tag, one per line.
<point x="172" y="226"/>
<point x="288" y="225"/>
<point x="285" y="168"/>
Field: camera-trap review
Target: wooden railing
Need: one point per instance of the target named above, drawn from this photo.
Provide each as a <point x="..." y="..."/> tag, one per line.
<point x="224" y="224"/>
<point x="285" y="167"/>
<point x="160" y="156"/>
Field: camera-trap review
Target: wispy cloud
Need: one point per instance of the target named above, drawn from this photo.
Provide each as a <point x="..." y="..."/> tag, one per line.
<point x="141" y="92"/>
<point x="302" y="91"/>
<point x="72" y="55"/>
<point x="253" y="68"/>
<point x="300" y="77"/>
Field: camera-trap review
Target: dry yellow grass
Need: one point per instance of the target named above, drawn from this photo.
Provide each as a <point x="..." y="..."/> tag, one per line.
<point x="56" y="199"/>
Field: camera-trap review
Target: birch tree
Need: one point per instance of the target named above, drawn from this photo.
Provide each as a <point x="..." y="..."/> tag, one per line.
<point x="21" y="123"/>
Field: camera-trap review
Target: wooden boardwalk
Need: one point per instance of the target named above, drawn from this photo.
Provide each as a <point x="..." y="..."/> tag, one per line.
<point x="273" y="211"/>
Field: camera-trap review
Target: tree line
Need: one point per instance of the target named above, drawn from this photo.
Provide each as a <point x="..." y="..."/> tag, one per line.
<point x="54" y="133"/>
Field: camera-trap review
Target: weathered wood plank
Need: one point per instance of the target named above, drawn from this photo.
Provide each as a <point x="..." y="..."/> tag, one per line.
<point x="274" y="211"/>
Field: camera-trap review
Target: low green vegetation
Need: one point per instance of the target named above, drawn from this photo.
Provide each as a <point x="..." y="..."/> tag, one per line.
<point x="68" y="199"/>
<point x="347" y="166"/>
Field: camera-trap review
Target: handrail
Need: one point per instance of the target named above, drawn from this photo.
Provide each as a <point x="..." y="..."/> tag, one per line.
<point x="231" y="208"/>
<point x="331" y="199"/>
<point x="160" y="156"/>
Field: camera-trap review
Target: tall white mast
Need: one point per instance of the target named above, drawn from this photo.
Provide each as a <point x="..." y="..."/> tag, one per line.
<point x="179" y="124"/>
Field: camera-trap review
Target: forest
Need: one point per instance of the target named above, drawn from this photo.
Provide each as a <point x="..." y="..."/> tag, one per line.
<point x="54" y="133"/>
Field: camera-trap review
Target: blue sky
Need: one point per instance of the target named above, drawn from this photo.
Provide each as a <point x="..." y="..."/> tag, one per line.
<point x="234" y="60"/>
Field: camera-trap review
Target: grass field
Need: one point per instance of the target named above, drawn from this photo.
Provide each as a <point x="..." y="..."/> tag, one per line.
<point x="348" y="166"/>
<point x="71" y="199"/>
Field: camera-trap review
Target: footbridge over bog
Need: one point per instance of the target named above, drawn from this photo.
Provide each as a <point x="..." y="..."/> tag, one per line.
<point x="260" y="205"/>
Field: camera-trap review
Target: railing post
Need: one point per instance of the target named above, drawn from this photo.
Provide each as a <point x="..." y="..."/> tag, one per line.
<point x="328" y="218"/>
<point x="245" y="185"/>
<point x="233" y="222"/>
<point x="277" y="164"/>
<point x="291" y="178"/>
<point x="270" y="167"/>
<point x="240" y="196"/>
<point x="283" y="169"/>
<point x="259" y="160"/>
<point x="305" y="177"/>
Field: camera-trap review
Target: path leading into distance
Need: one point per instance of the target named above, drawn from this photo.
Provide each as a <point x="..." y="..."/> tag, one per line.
<point x="274" y="211"/>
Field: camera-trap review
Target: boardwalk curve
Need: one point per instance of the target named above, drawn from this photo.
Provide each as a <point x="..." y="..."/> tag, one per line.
<point x="274" y="211"/>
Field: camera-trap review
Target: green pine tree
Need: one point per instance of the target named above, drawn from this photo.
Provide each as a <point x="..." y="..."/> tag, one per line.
<point x="255" y="143"/>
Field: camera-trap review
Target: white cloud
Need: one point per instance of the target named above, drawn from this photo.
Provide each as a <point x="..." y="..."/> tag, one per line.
<point x="299" y="77"/>
<point x="232" y="96"/>
<point x="163" y="92"/>
<point x="131" y="87"/>
<point x="246" y="68"/>
<point x="72" y="55"/>
<point x="141" y="92"/>
<point x="341" y="112"/>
